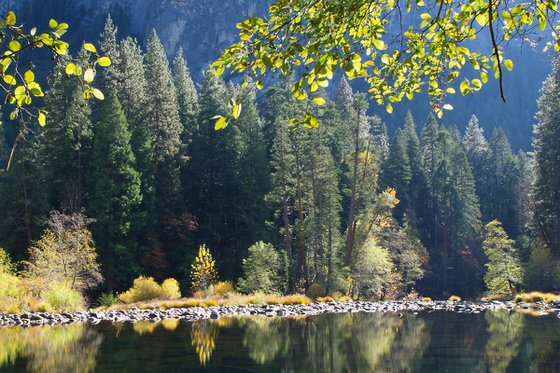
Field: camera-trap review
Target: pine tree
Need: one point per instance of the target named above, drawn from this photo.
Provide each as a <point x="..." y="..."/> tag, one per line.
<point x="455" y="213"/>
<point x="133" y="95"/>
<point x="502" y="182"/>
<point x="166" y="129"/>
<point x="212" y="189"/>
<point x="397" y="173"/>
<point x="282" y="195"/>
<point x="187" y="97"/>
<point x="22" y="195"/>
<point x="64" y="144"/>
<point x="252" y="173"/>
<point x="504" y="272"/>
<point x="547" y="135"/>
<point x="111" y="76"/>
<point x="115" y="195"/>
<point x="418" y="188"/>
<point x="165" y="123"/>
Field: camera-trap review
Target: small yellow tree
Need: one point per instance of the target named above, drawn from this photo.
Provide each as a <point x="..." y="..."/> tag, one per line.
<point x="203" y="270"/>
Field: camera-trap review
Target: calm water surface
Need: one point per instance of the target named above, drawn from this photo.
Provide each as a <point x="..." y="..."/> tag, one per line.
<point x="391" y="342"/>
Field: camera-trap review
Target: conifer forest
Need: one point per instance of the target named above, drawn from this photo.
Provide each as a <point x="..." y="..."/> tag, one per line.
<point x="333" y="204"/>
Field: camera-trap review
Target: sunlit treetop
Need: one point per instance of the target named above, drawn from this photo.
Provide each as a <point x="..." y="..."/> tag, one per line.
<point x="18" y="81"/>
<point x="400" y="48"/>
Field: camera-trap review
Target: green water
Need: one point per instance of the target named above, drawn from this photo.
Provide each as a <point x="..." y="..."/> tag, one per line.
<point x="376" y="342"/>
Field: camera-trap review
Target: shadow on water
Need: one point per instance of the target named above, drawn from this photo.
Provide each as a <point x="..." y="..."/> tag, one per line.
<point x="354" y="342"/>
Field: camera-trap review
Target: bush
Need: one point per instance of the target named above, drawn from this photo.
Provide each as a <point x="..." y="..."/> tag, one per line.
<point x="62" y="298"/>
<point x="262" y="269"/>
<point x="146" y="288"/>
<point x="316" y="290"/>
<point x="170" y="289"/>
<point x="6" y="265"/>
<point x="106" y="299"/>
<point x="221" y="289"/>
<point x="13" y="294"/>
<point x="536" y="296"/>
<point x="143" y="288"/>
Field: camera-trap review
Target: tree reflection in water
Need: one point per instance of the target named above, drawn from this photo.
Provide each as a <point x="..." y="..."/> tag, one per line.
<point x="69" y="348"/>
<point x="504" y="335"/>
<point x="337" y="343"/>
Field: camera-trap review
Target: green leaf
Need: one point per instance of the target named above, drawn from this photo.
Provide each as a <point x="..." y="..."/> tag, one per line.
<point x="465" y="87"/>
<point x="104" y="61"/>
<point x="508" y="64"/>
<point x="10" y="18"/>
<point x="53" y="23"/>
<point x="42" y="119"/>
<point x="90" y="47"/>
<point x="319" y="100"/>
<point x="97" y="94"/>
<point x="484" y="77"/>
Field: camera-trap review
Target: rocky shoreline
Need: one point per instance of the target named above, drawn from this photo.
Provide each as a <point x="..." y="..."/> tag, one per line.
<point x="316" y="308"/>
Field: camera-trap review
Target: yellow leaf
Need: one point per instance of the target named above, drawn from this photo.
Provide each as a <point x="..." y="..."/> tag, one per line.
<point x="70" y="68"/>
<point x="10" y="18"/>
<point x="221" y="123"/>
<point x="14" y="45"/>
<point x="508" y="64"/>
<point x="9" y="79"/>
<point x="42" y="119"/>
<point x="104" y="61"/>
<point x="29" y="76"/>
<point x="319" y="100"/>
<point x="236" y="111"/>
<point x="90" y="47"/>
<point x="53" y="23"/>
<point x="389" y="108"/>
<point x="97" y="94"/>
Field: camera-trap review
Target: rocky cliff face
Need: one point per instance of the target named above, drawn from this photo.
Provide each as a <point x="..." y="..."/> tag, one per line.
<point x="202" y="27"/>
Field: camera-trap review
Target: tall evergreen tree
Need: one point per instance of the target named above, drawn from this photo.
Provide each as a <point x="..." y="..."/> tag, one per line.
<point x="64" y="145"/>
<point x="22" y="195"/>
<point x="166" y="129"/>
<point x="187" y="97"/>
<point x="502" y="181"/>
<point x="455" y="214"/>
<point x="132" y="92"/>
<point x="114" y="195"/>
<point x="547" y="135"/>
<point x="397" y="172"/>
<point x="212" y="188"/>
<point x="111" y="76"/>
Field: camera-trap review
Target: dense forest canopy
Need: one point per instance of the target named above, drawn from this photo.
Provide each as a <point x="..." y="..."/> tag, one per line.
<point x="337" y="207"/>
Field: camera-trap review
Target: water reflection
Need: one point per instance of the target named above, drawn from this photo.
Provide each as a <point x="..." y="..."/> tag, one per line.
<point x="504" y="335"/>
<point x="337" y="343"/>
<point x="354" y="342"/>
<point x="70" y="348"/>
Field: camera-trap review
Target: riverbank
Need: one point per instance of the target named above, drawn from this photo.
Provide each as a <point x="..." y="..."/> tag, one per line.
<point x="198" y="313"/>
